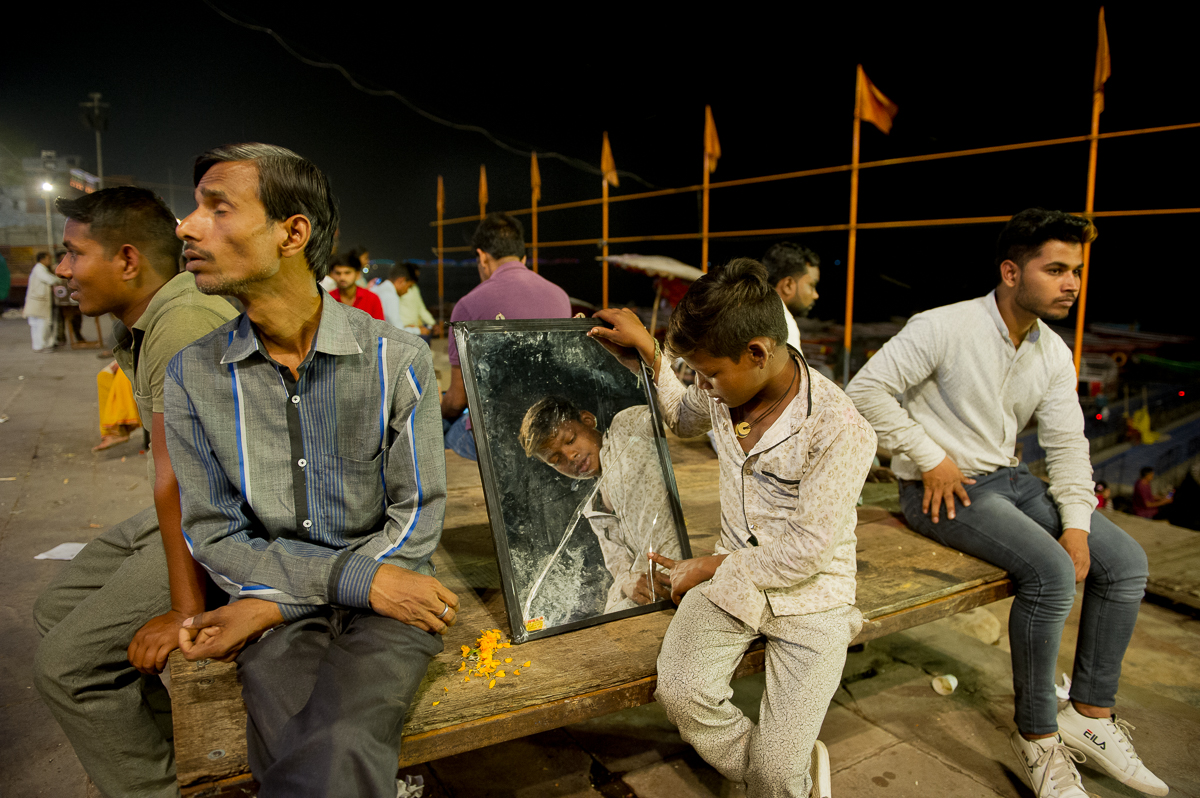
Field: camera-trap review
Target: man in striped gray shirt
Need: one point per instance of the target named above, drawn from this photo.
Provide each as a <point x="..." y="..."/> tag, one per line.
<point x="306" y="437"/>
<point x="971" y="376"/>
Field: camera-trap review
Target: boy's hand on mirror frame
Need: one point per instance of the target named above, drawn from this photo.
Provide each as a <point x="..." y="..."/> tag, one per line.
<point x="628" y="339"/>
<point x="686" y="574"/>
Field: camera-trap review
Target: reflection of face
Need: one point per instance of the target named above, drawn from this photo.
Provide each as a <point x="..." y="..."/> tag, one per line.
<point x="1049" y="282"/>
<point x="574" y="451"/>
<point x="726" y="381"/>
<point x="228" y="241"/>
<point x="344" y="276"/>
<point x="93" y="279"/>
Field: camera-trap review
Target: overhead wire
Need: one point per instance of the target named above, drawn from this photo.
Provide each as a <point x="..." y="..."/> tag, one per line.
<point x="576" y="163"/>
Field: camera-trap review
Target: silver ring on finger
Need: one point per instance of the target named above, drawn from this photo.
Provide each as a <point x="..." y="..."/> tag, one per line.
<point x="442" y="614"/>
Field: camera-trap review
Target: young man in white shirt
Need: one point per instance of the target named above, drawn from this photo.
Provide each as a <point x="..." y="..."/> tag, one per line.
<point x="972" y="375"/>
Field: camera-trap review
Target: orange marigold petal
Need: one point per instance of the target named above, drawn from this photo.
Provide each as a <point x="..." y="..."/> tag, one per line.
<point x="491" y="684"/>
<point x="527" y="663"/>
<point x="435" y="703"/>
<point x="508" y="659"/>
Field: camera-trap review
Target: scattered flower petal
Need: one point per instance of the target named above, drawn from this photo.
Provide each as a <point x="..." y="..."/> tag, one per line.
<point x="491" y="684"/>
<point x="435" y="703"/>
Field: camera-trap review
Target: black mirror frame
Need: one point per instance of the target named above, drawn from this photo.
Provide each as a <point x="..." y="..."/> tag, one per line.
<point x="463" y="333"/>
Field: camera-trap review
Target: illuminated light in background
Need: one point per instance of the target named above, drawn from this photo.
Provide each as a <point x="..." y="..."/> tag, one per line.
<point x="47" y="187"/>
<point x="1099" y="416"/>
<point x="1183" y="393"/>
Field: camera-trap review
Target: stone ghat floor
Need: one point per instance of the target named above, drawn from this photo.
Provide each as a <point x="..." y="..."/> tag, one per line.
<point x="889" y="734"/>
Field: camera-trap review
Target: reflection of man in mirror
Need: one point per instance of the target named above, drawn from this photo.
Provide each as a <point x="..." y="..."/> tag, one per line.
<point x="629" y="509"/>
<point x="507" y="290"/>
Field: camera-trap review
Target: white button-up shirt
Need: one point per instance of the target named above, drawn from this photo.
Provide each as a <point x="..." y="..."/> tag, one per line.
<point x="788" y="506"/>
<point x="968" y="392"/>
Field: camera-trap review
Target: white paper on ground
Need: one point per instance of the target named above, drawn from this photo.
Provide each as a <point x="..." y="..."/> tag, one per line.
<point x="63" y="551"/>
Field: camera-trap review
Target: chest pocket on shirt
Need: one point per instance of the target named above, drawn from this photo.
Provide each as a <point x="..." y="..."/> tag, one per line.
<point x="776" y="491"/>
<point x="352" y="493"/>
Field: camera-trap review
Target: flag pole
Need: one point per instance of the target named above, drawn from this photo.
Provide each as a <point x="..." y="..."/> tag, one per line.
<point x="1089" y="201"/>
<point x="604" y="242"/>
<point x="704" y="210"/>
<point x="536" y="195"/>
<point x="483" y="195"/>
<point x="441" y="212"/>
<point x="858" y="88"/>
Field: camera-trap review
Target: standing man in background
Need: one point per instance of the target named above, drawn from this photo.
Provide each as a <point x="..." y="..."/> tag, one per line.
<point x="506" y="288"/>
<point x="794" y="270"/>
<point x="39" y="303"/>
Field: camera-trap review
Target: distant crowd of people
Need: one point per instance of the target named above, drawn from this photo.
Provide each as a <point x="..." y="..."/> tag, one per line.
<point x="300" y="489"/>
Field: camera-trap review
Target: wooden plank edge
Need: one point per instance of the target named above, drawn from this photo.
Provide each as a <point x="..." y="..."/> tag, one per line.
<point x="505" y="726"/>
<point x="944" y="607"/>
<point x="242" y="785"/>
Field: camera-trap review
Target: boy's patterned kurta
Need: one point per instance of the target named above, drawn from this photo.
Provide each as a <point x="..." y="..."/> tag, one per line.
<point x="788" y="507"/>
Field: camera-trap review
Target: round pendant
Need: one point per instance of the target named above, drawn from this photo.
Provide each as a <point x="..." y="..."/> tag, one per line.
<point x="742" y="429"/>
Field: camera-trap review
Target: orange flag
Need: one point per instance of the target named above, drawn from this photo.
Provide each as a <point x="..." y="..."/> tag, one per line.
<point x="441" y="201"/>
<point x="535" y="178"/>
<point x="607" y="165"/>
<point x="483" y="197"/>
<point x="1103" y="65"/>
<point x="712" y="144"/>
<point x="871" y="105"/>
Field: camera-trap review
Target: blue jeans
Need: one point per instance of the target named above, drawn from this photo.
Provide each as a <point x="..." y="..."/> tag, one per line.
<point x="1013" y="524"/>
<point x="459" y="439"/>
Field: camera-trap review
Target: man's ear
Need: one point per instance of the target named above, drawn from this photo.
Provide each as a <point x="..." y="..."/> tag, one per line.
<point x="297" y="230"/>
<point x="131" y="262"/>
<point x="588" y="418"/>
<point x="1010" y="273"/>
<point x="786" y="288"/>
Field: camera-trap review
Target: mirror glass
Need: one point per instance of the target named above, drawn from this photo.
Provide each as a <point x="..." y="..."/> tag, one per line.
<point x="576" y="474"/>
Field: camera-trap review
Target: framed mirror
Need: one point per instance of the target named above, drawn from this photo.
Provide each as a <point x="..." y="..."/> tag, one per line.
<point x="576" y="474"/>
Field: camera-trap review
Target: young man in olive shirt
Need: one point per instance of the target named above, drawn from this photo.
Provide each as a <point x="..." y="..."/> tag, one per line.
<point x="116" y="609"/>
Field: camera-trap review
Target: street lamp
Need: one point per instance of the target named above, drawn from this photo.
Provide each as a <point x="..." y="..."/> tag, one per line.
<point x="46" y="189"/>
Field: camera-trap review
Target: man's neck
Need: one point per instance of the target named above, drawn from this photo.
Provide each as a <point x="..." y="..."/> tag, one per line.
<point x="131" y="313"/>
<point x="349" y="293"/>
<point x="1018" y="320"/>
<point x="286" y="311"/>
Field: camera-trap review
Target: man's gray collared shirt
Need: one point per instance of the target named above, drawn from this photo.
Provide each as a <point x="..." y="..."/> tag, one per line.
<point x="297" y="491"/>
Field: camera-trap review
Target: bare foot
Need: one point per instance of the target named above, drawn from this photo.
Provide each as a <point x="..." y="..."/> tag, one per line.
<point x="109" y="441"/>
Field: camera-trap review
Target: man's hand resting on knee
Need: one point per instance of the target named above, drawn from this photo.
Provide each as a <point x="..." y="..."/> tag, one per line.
<point x="1075" y="541"/>
<point x="224" y="632"/>
<point x="942" y="483"/>
<point x="413" y="598"/>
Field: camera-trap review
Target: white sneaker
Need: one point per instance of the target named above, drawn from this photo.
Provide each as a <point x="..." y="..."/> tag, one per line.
<point x="1107" y="743"/>
<point x="1048" y="766"/>
<point x="818" y="771"/>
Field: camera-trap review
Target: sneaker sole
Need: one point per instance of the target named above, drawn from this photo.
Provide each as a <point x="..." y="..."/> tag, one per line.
<point x="821" y="787"/>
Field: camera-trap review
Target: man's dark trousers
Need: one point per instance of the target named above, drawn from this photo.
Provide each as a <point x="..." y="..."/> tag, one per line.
<point x="326" y="698"/>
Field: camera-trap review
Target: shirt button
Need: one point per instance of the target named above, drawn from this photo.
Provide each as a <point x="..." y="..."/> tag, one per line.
<point x="302" y="462"/>
<point x="296" y="400"/>
<point x="307" y="523"/>
<point x="748" y="470"/>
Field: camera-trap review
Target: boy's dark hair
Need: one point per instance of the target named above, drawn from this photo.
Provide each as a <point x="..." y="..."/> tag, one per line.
<point x="288" y="184"/>
<point x="128" y="215"/>
<point x="726" y="308"/>
<point x="1147" y="470"/>
<point x="787" y="259"/>
<point x="542" y="421"/>
<point x="44" y="253"/>
<point x="500" y="236"/>
<point x="1025" y="233"/>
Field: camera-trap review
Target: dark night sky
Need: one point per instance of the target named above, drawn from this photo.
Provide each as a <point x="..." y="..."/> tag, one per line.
<point x="181" y="79"/>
